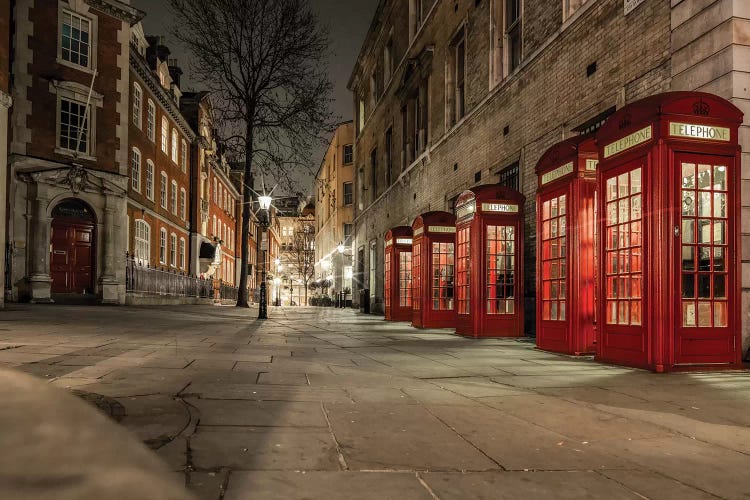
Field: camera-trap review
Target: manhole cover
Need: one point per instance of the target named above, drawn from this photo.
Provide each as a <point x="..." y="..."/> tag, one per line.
<point x="111" y="407"/>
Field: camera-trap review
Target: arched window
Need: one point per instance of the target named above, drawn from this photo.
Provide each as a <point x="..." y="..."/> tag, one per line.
<point x="163" y="190"/>
<point x="173" y="250"/>
<point x="151" y="121"/>
<point x="182" y="253"/>
<point x="216" y="192"/>
<point x="163" y="246"/>
<point x="135" y="170"/>
<point x="173" y="197"/>
<point x="164" y="135"/>
<point x="149" y="179"/>
<point x="174" y="145"/>
<point x="142" y="241"/>
<point x="137" y="105"/>
<point x="183" y="156"/>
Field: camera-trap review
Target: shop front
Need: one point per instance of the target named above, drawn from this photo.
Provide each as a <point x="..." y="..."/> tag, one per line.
<point x="566" y="247"/>
<point x="489" y="262"/>
<point x="669" y="180"/>
<point x="433" y="244"/>
<point x="398" y="277"/>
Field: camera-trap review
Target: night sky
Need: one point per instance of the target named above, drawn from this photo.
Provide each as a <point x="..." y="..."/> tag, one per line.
<point x="347" y="21"/>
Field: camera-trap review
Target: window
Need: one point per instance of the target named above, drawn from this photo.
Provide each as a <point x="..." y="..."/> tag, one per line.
<point x="501" y="269"/>
<point x="623" y="257"/>
<point x="173" y="197"/>
<point x="416" y="274"/>
<point x="74" y="126"/>
<point x="463" y="271"/>
<point x="163" y="246"/>
<point x="348" y="193"/>
<point x="415" y="17"/>
<point x="404" y="138"/>
<point x="553" y="258"/>
<point x="374" y="87"/>
<point x="456" y="101"/>
<point x="214" y="232"/>
<point x="513" y="33"/>
<point x="389" y="157"/>
<point x="570" y="6"/>
<point x="164" y="135"/>
<point x="163" y="190"/>
<point x="348" y="230"/>
<point x="374" y="173"/>
<point x="509" y="176"/>
<point x="173" y="250"/>
<point x="137" y="105"/>
<point x="149" y="179"/>
<point x="361" y="115"/>
<point x="183" y="203"/>
<point x="404" y="279"/>
<point x="388" y="60"/>
<point x="216" y="191"/>
<point x="151" y="121"/>
<point x="174" y="145"/>
<point x="442" y="276"/>
<point x="348" y="154"/>
<point x="183" y="156"/>
<point x="76" y="39"/>
<point x="142" y="241"/>
<point x="497" y="38"/>
<point x="182" y="253"/>
<point x="135" y="170"/>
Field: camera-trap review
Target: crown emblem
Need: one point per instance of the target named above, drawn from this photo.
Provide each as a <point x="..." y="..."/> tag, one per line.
<point x="700" y="107"/>
<point x="625" y="122"/>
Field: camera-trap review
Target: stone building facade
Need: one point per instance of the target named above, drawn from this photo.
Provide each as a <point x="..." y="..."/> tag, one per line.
<point x="69" y="161"/>
<point x="334" y="206"/>
<point x="5" y="104"/>
<point x="160" y="166"/>
<point x="449" y="95"/>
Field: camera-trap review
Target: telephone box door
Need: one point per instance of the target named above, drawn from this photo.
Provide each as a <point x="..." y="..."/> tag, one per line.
<point x="704" y="330"/>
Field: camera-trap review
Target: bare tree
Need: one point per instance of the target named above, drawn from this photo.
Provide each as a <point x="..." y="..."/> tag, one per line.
<point x="263" y="63"/>
<point x="301" y="251"/>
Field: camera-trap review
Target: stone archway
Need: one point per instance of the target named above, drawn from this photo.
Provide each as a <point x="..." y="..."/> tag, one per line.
<point x="73" y="248"/>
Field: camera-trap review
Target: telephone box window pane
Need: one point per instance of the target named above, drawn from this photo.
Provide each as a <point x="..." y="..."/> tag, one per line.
<point x="553" y="260"/>
<point x="463" y="270"/>
<point x="704" y="231"/>
<point x="688" y="231"/>
<point x="719" y="263"/>
<point x="720" y="205"/>
<point x="635" y="312"/>
<point x="688" y="313"/>
<point x="442" y="274"/>
<point x="704" y="176"/>
<point x="405" y="279"/>
<point x="720" y="231"/>
<point x="704" y="286"/>
<point x="720" y="314"/>
<point x="500" y="279"/>
<point x="720" y="178"/>
<point x="688" y="203"/>
<point x="688" y="175"/>
<point x="704" y="204"/>
<point x="704" y="314"/>
<point x="720" y="288"/>
<point x="688" y="258"/>
<point x="417" y="275"/>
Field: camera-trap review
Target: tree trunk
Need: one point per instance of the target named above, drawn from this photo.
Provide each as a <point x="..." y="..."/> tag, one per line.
<point x="247" y="208"/>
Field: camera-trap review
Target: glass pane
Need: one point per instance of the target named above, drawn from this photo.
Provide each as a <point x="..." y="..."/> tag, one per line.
<point x="688" y="231"/>
<point x="688" y="203"/>
<point x="612" y="189"/>
<point x="562" y="310"/>
<point x="546" y="310"/>
<point x="635" y="181"/>
<point x="635" y="288"/>
<point x="624" y="213"/>
<point x="704" y="231"/>
<point x="545" y="210"/>
<point x="720" y="205"/>
<point x="623" y="185"/>
<point x="704" y="286"/>
<point x="704" y="258"/>
<point x="688" y="258"/>
<point x="688" y="175"/>
<point x="720" y="314"/>
<point x="561" y="205"/>
<point x="704" y="176"/>
<point x="553" y="207"/>
<point x="719" y="262"/>
<point x="623" y="312"/>
<point x="688" y="286"/>
<point x="704" y="204"/>
<point x="635" y="312"/>
<point x="612" y="312"/>
<point x="562" y="226"/>
<point x="612" y="213"/>
<point x="688" y="314"/>
<point x="720" y="178"/>
<point x="720" y="231"/>
<point x="553" y="311"/>
<point x="704" y="314"/>
<point x="720" y="286"/>
<point x="635" y="207"/>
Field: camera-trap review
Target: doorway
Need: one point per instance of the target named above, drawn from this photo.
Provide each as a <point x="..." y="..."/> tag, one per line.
<point x="73" y="248"/>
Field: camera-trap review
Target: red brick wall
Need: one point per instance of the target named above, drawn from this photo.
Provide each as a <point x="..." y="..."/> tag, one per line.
<point x="44" y="68"/>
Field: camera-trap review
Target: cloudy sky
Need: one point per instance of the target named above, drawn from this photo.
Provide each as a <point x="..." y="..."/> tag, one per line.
<point x="347" y="21"/>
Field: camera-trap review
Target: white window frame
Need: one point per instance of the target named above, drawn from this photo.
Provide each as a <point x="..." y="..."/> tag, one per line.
<point x="214" y="227"/>
<point x="137" y="105"/>
<point x="183" y="156"/>
<point x="151" y="121"/>
<point x="135" y="170"/>
<point x="162" y="246"/>
<point x="81" y="12"/>
<point x="181" y="255"/>
<point x="175" y="145"/>
<point x="150" y="180"/>
<point x="163" y="190"/>
<point x="173" y="197"/>
<point x="183" y="203"/>
<point x="164" y="135"/>
<point x="142" y="242"/>
<point x="173" y="250"/>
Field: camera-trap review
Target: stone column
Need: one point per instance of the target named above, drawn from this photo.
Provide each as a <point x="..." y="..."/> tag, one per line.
<point x="40" y="282"/>
<point x="109" y="283"/>
<point x="5" y="103"/>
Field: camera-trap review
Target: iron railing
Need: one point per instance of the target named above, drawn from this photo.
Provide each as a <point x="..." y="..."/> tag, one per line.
<point x="140" y="278"/>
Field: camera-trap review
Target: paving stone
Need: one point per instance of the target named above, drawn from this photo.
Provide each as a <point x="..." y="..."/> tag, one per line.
<point x="259" y="413"/>
<point x="282" y="378"/>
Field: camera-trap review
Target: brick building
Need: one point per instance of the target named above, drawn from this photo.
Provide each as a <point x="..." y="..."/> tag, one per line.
<point x="334" y="197"/>
<point x="160" y="166"/>
<point x="5" y="103"/>
<point x="69" y="161"/>
<point x="449" y="95"/>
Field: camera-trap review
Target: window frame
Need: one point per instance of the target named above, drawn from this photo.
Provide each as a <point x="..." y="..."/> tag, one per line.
<point x="173" y="250"/>
<point x="164" y="135"/>
<point x="141" y="244"/>
<point x="137" y="105"/>
<point x="173" y="198"/>
<point x="348" y="197"/>
<point x="93" y="30"/>
<point x="150" y="179"/>
<point x="162" y="246"/>
<point x="183" y="155"/>
<point x="163" y="188"/>
<point x="135" y="169"/>
<point x="151" y="120"/>
<point x="183" y="203"/>
<point x="175" y="146"/>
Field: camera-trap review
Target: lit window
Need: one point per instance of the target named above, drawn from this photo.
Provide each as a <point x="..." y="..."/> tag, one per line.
<point x="183" y="156"/>
<point x="174" y="145"/>
<point x="135" y="170"/>
<point x="182" y="253"/>
<point x="173" y="197"/>
<point x="142" y="241"/>
<point x="76" y="41"/>
<point x="553" y="258"/>
<point x="163" y="190"/>
<point x="164" y="135"/>
<point x="163" y="245"/>
<point x="149" y="180"/>
<point x="183" y="203"/>
<point x="74" y="126"/>
<point x="173" y="250"/>
<point x="151" y="121"/>
<point x="137" y="104"/>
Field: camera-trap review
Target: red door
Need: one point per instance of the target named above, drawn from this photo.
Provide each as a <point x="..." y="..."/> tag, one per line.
<point x="71" y="261"/>
<point x="704" y="332"/>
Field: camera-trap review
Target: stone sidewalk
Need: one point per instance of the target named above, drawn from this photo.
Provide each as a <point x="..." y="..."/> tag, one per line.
<point x="330" y="404"/>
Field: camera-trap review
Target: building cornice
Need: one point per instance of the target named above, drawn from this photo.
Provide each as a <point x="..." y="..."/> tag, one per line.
<point x="119" y="10"/>
<point x="139" y="66"/>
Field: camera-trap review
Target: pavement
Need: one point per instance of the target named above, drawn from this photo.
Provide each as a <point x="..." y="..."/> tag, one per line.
<point x="329" y="404"/>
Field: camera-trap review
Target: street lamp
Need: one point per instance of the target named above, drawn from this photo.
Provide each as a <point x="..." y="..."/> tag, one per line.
<point x="265" y="221"/>
<point x="341" y="248"/>
<point x="277" y="282"/>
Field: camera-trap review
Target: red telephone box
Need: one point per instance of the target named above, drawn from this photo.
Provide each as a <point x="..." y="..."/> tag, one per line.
<point x="489" y="262"/>
<point x="432" y="270"/>
<point x="669" y="184"/>
<point x="398" y="292"/>
<point x="566" y="247"/>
